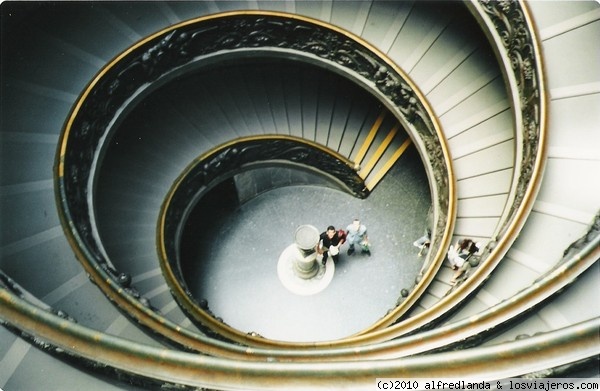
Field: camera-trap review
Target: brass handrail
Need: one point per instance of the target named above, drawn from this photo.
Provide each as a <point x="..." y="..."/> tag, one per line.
<point x="531" y="295"/>
<point x="510" y="359"/>
<point x="154" y="321"/>
<point x="530" y="100"/>
<point x="102" y="99"/>
<point x="580" y="256"/>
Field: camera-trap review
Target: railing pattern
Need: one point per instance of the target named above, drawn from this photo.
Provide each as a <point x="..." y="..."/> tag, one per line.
<point x="222" y="163"/>
<point x="574" y="343"/>
<point x="103" y="351"/>
<point x="184" y="47"/>
<point x="511" y="28"/>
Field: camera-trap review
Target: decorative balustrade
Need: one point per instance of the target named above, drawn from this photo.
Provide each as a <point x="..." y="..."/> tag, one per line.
<point x="511" y="29"/>
<point x="166" y="53"/>
<point x="508" y="25"/>
<point x="107" y="353"/>
<point x="185" y="48"/>
<point x="222" y="163"/>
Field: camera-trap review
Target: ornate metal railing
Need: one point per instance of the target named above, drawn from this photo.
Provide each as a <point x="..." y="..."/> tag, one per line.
<point x="571" y="344"/>
<point x="514" y="37"/>
<point x="509" y="27"/>
<point x="470" y="332"/>
<point x="222" y="163"/>
<point x="184" y="48"/>
<point x="179" y="47"/>
<point x="511" y="359"/>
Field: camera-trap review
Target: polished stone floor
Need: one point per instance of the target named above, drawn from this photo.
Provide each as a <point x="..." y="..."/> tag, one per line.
<point x="237" y="268"/>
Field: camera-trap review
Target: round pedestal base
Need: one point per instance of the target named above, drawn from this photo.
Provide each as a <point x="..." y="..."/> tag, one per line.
<point x="302" y="286"/>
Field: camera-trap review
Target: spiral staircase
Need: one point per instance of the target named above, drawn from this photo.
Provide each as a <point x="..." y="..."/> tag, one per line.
<point x="120" y="118"/>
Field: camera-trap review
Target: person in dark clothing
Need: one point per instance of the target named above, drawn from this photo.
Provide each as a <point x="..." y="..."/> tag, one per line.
<point x="330" y="242"/>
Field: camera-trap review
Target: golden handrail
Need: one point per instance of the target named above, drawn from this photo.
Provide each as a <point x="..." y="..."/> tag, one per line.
<point x="510" y="359"/>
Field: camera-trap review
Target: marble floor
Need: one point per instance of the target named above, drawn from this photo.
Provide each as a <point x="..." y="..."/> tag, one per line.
<point x="236" y="270"/>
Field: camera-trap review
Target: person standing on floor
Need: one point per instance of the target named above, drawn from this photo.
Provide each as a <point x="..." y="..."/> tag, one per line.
<point x="357" y="235"/>
<point x="330" y="242"/>
<point x="423" y="242"/>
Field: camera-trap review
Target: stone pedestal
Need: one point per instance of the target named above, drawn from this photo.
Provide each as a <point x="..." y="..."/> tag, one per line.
<point x="306" y="239"/>
<point x="298" y="268"/>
